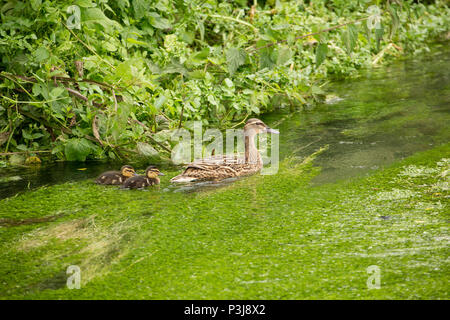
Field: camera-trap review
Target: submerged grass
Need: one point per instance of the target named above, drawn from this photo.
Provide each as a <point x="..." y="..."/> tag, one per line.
<point x="262" y="237"/>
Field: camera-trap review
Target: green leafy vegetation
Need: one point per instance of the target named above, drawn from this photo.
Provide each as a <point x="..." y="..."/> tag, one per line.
<point x="91" y="79"/>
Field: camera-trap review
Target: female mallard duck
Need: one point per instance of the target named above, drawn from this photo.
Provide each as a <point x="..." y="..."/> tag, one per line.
<point x="116" y="177"/>
<point x="228" y="166"/>
<point x="150" y="179"/>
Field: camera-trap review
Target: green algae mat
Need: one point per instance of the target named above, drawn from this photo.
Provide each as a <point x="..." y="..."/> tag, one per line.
<point x="262" y="237"/>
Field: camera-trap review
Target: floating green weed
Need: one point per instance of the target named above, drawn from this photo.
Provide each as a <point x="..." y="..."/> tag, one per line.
<point x="262" y="237"/>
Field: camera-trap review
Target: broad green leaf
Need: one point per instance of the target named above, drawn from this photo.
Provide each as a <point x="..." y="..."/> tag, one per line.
<point x="109" y="46"/>
<point x="212" y="100"/>
<point x="321" y="53"/>
<point x="197" y="74"/>
<point x="187" y="36"/>
<point x="93" y="16"/>
<point x="158" y="22"/>
<point x="255" y="109"/>
<point x="160" y="102"/>
<point x="146" y="150"/>
<point x="41" y="54"/>
<point x="134" y="41"/>
<point x="236" y="57"/>
<point x="35" y="4"/>
<point x="140" y="7"/>
<point x="200" y="56"/>
<point x="37" y="89"/>
<point x="56" y="92"/>
<point x="229" y="83"/>
<point x="77" y="149"/>
<point x="84" y="3"/>
<point x="266" y="58"/>
<point x="27" y="135"/>
<point x="284" y="55"/>
<point x="349" y="37"/>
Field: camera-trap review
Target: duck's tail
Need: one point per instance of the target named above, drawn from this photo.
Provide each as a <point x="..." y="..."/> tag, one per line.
<point x="182" y="179"/>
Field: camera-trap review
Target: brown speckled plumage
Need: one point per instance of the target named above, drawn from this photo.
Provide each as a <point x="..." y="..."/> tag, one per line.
<point x="115" y="177"/>
<point x="139" y="182"/>
<point x="149" y="179"/>
<point x="218" y="168"/>
<point x="228" y="166"/>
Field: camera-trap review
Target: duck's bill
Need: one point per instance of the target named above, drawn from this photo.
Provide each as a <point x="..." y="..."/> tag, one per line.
<point x="161" y="174"/>
<point x="270" y="130"/>
<point x="135" y="174"/>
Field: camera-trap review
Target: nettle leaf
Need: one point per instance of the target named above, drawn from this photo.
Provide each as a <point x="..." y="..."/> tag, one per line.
<point x="35" y="4"/>
<point x="146" y="150"/>
<point x="26" y="135"/>
<point x="140" y="7"/>
<point x="160" y="101"/>
<point x="41" y="54"/>
<point x="130" y="71"/>
<point x="321" y="53"/>
<point x="37" y="89"/>
<point x="200" y="56"/>
<point x="236" y="57"/>
<point x="158" y="22"/>
<point x="349" y="37"/>
<point x="77" y="149"/>
<point x="92" y="16"/>
<point x="56" y="92"/>
<point x="284" y="55"/>
<point x="266" y="58"/>
<point x="212" y="100"/>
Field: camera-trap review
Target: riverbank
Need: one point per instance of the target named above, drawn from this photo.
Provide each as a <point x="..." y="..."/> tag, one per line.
<point x="111" y="87"/>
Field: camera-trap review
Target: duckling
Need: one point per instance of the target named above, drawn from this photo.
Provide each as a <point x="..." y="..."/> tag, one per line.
<point x="150" y="179"/>
<point x="116" y="177"/>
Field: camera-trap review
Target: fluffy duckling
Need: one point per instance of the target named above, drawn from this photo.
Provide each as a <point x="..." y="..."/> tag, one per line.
<point x="150" y="179"/>
<point x="116" y="177"/>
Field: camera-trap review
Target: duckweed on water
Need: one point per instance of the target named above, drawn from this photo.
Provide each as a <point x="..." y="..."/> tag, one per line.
<point x="262" y="237"/>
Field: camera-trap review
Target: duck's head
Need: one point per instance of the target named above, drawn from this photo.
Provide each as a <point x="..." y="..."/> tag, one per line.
<point x="257" y="126"/>
<point x="152" y="172"/>
<point x="127" y="171"/>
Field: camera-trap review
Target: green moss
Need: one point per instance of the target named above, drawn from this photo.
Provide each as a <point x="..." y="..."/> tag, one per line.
<point x="263" y="237"/>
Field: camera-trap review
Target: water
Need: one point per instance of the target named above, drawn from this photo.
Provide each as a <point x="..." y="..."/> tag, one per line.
<point x="383" y="116"/>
